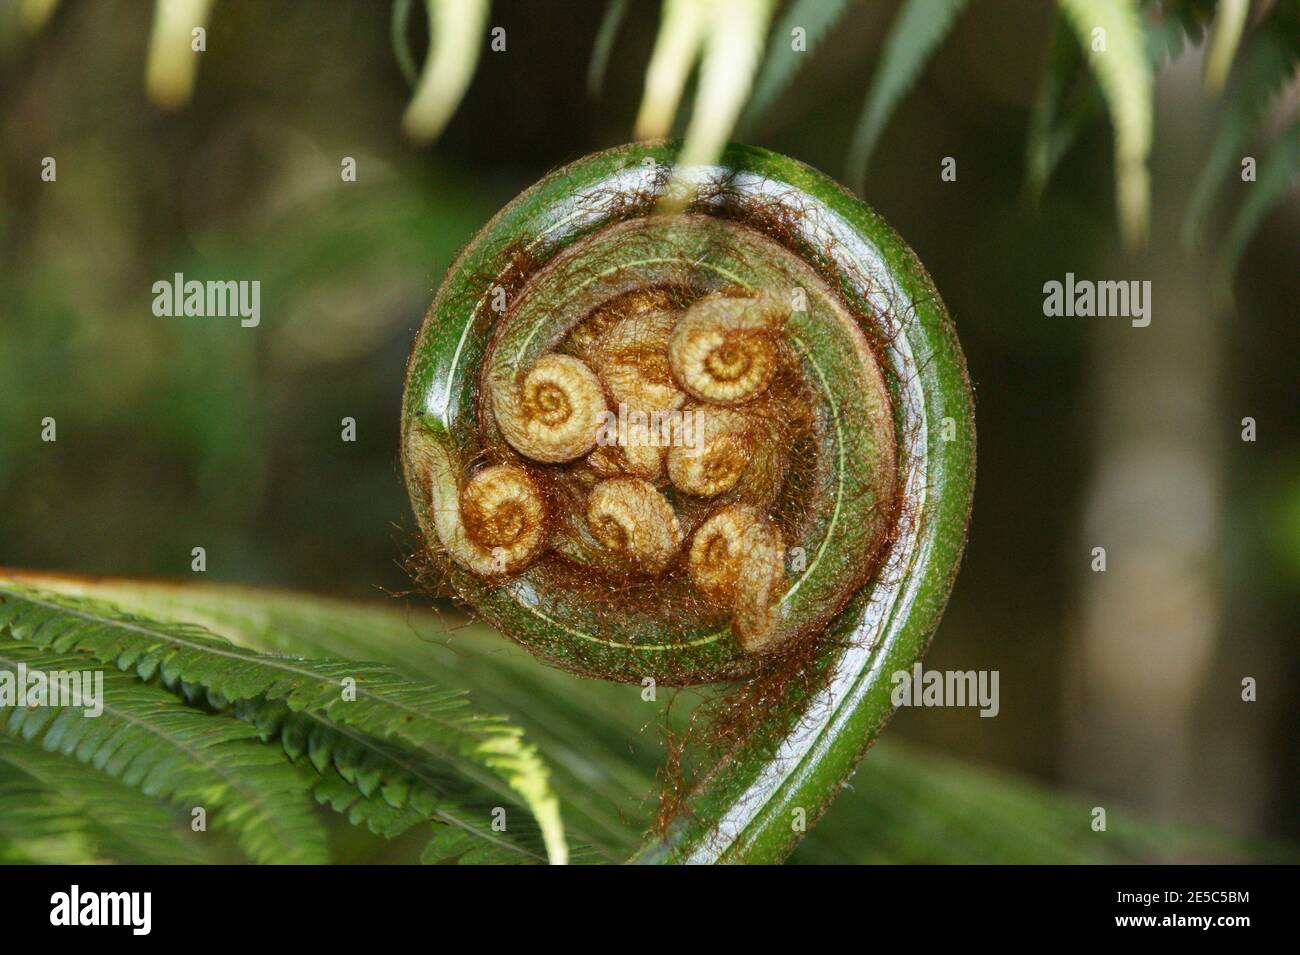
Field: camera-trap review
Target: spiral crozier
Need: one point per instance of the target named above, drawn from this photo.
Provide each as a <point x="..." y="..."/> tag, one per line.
<point x="699" y="445"/>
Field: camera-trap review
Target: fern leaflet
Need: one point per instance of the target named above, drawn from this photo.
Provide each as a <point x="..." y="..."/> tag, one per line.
<point x="371" y="698"/>
<point x="151" y="741"/>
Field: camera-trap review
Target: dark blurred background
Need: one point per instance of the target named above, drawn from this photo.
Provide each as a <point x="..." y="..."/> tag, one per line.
<point x="174" y="433"/>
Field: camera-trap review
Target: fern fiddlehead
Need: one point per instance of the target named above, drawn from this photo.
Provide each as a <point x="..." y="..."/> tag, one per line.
<point x="734" y="441"/>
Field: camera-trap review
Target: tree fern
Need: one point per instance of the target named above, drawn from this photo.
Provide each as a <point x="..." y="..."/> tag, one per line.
<point x="370" y="698"/>
<point x="151" y="741"/>
<point x="45" y="796"/>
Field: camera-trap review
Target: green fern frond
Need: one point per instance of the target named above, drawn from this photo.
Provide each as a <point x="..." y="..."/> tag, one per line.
<point x="49" y="799"/>
<point x="903" y="805"/>
<point x="150" y="740"/>
<point x="781" y="62"/>
<point x="615" y="11"/>
<point x="371" y="698"/>
<point x="371" y="812"/>
<point x="1065" y="107"/>
<point x="1120" y="61"/>
<point x="1069" y="98"/>
<point x="389" y="790"/>
<point x="1277" y="175"/>
<point x="604" y="770"/>
<point x="916" y="33"/>
<point x="604" y="795"/>
<point x="1266" y="64"/>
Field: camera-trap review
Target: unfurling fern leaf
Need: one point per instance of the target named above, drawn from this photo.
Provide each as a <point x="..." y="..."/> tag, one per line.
<point x="372" y="699"/>
<point x="152" y="741"/>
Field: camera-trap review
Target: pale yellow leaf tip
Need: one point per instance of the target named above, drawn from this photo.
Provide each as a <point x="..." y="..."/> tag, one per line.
<point x="1225" y="35"/>
<point x="456" y="30"/>
<point x="685" y="23"/>
<point x="34" y="13"/>
<point x="173" y="62"/>
<point x="730" y="34"/>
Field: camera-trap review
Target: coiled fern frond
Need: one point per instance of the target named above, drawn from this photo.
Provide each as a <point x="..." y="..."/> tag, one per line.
<point x="802" y="535"/>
